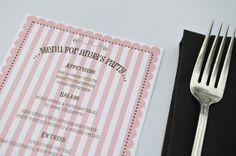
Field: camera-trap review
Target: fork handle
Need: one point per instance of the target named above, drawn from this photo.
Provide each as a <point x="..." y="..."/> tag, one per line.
<point x="201" y="128"/>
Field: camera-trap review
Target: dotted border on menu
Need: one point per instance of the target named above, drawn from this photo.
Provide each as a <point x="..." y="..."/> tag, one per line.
<point x="16" y="55"/>
<point x="136" y="108"/>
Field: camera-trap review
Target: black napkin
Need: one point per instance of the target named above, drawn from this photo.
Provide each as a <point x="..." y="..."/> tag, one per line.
<point x="220" y="136"/>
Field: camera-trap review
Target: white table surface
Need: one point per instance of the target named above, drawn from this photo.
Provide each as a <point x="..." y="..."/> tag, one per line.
<point x="155" y="22"/>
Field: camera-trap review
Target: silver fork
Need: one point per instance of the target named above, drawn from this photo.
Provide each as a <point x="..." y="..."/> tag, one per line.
<point x="204" y="87"/>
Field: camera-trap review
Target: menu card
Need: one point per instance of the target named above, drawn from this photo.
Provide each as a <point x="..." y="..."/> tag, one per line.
<point x="71" y="91"/>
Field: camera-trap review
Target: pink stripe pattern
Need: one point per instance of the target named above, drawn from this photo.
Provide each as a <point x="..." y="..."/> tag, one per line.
<point x="29" y="78"/>
<point x="111" y="111"/>
<point x="34" y="69"/>
<point x="81" y="95"/>
<point x="125" y="105"/>
<point x="19" y="74"/>
<point x="140" y="103"/>
<point x="52" y="111"/>
<point x="104" y="96"/>
<point x="49" y="87"/>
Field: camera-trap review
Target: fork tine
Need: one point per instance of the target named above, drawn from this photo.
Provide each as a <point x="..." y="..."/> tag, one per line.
<point x="218" y="59"/>
<point x="199" y="61"/>
<point x="225" y="69"/>
<point x="207" y="68"/>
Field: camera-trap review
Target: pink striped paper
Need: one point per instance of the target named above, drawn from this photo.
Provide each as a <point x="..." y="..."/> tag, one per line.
<point x="69" y="91"/>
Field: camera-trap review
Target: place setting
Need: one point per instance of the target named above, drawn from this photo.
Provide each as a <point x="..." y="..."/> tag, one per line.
<point x="71" y="91"/>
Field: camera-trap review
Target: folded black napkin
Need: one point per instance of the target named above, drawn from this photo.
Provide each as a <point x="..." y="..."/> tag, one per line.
<point x="220" y="136"/>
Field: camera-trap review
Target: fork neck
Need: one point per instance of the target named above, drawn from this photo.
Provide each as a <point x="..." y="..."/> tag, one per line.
<point x="204" y="108"/>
